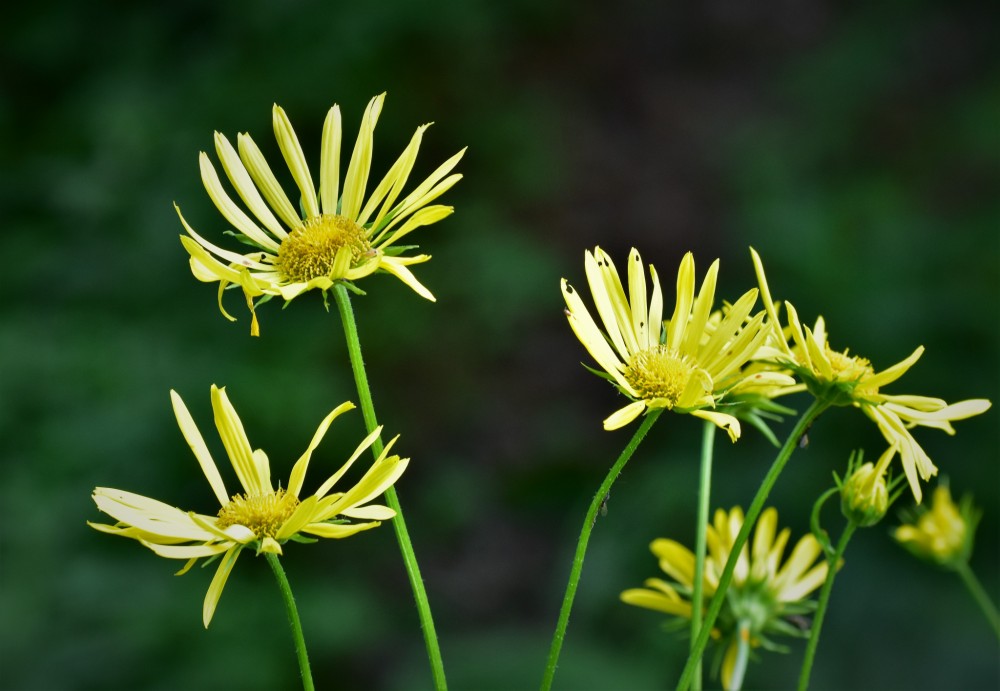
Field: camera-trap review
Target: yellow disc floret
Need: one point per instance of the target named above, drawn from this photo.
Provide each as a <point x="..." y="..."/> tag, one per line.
<point x="848" y="367"/>
<point x="659" y="372"/>
<point x="309" y="252"/>
<point x="263" y="513"/>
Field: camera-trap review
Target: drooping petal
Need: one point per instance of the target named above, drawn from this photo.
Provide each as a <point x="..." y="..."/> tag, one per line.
<point x="218" y="583"/>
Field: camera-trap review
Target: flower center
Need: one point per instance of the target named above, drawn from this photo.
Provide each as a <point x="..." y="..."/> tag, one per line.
<point x="309" y="252"/>
<point x="848" y="367"/>
<point x="659" y="372"/>
<point x="261" y="513"/>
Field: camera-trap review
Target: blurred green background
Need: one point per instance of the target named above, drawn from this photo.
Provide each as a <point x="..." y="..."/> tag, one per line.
<point x="856" y="148"/>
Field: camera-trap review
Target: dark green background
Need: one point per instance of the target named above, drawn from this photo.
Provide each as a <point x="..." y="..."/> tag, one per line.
<point x="856" y="148"/>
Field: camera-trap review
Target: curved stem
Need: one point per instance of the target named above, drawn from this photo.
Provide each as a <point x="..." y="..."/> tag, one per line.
<point x="979" y="594"/>
<point x="398" y="523"/>
<point x="817" y="407"/>
<point x="824" y="600"/>
<point x="704" y="492"/>
<point x="581" y="545"/>
<point x="293" y="620"/>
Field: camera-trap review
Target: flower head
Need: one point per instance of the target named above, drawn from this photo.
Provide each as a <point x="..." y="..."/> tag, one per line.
<point x="943" y="534"/>
<point x="764" y="591"/>
<point x="261" y="516"/>
<point x="846" y="379"/>
<point x="864" y="494"/>
<point x="687" y="363"/>
<point x="339" y="234"/>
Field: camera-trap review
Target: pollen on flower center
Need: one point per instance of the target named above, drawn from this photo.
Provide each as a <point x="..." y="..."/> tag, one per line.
<point x="309" y="252"/>
<point x="659" y="372"/>
<point x="262" y="513"/>
<point x="848" y="367"/>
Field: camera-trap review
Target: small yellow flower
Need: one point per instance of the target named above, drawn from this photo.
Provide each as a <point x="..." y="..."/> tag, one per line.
<point x="338" y="236"/>
<point x="686" y="364"/>
<point x="944" y="534"/>
<point x="763" y="591"/>
<point x="847" y="379"/>
<point x="261" y="516"/>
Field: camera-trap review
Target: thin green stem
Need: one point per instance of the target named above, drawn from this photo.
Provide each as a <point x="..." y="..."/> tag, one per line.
<point x="817" y="407"/>
<point x="293" y="620"/>
<point x="824" y="601"/>
<point x="742" y="656"/>
<point x="581" y="545"/>
<point x="704" y="492"/>
<point x="979" y="594"/>
<point x="398" y="523"/>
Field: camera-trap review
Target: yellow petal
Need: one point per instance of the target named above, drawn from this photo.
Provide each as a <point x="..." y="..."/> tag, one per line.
<point x="197" y="443"/>
<point x="298" y="475"/>
<point x="218" y="583"/>
<point x="359" y="167"/>
<point x="234" y="439"/>
<point x="268" y="185"/>
<point x="329" y="162"/>
<point x="622" y="417"/>
<point x="241" y="180"/>
<point x="295" y="159"/>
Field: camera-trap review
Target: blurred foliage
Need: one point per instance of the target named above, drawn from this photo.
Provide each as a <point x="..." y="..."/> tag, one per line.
<point x="856" y="148"/>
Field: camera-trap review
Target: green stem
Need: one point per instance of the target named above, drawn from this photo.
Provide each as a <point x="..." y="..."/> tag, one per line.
<point x="581" y="545"/>
<point x="293" y="620"/>
<point x="824" y="601"/>
<point x="704" y="491"/>
<point x="398" y="523"/>
<point x="979" y="593"/>
<point x="817" y="407"/>
<point x="742" y="656"/>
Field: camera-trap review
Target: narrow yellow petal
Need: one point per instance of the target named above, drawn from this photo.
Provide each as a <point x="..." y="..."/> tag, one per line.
<point x="295" y="159"/>
<point x="398" y="269"/>
<point x="241" y="180"/>
<point x="234" y="439"/>
<point x="298" y="475"/>
<point x="197" y="443"/>
<point x="228" y="208"/>
<point x="620" y="418"/>
<point x="700" y="311"/>
<point x="637" y="299"/>
<point x="268" y="185"/>
<point x="359" y="167"/>
<point x="392" y="184"/>
<point x="329" y="162"/>
<point x="218" y="583"/>
<point x="891" y="374"/>
<point x="726" y="422"/>
<point x="338" y="531"/>
<point x="682" y="306"/>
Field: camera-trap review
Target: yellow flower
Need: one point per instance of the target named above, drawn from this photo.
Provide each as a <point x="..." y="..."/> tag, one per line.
<point x="943" y="534"/>
<point x="763" y="591"/>
<point x="847" y="379"/>
<point x="261" y="516"/>
<point x="686" y="364"/>
<point x="339" y="236"/>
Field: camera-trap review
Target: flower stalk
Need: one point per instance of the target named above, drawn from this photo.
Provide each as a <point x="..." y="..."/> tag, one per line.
<point x="714" y="607"/>
<point x="704" y="493"/>
<point x="343" y="300"/>
<point x="293" y="620"/>
<point x="581" y="545"/>
<point x="824" y="601"/>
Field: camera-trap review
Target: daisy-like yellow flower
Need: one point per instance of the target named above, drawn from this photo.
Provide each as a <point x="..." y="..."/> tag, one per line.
<point x="944" y="533"/>
<point x="764" y="591"/>
<point x="339" y="234"/>
<point x="686" y="364"/>
<point x="847" y="379"/>
<point x="261" y="517"/>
